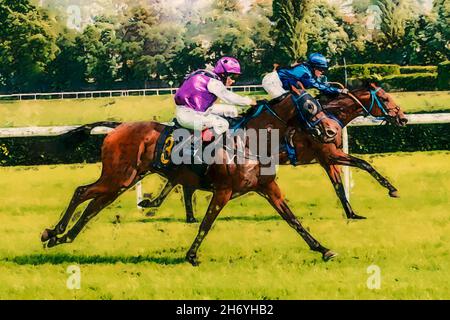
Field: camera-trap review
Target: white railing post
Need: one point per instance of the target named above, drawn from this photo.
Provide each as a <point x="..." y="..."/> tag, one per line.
<point x="346" y="169"/>
<point x="139" y="196"/>
<point x="104" y="93"/>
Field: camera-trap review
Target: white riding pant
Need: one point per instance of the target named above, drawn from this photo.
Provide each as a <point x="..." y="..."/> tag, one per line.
<point x="273" y="85"/>
<point x="211" y="118"/>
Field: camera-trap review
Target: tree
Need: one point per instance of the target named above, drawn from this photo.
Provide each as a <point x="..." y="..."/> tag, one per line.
<point x="325" y="30"/>
<point x="426" y="38"/>
<point x="68" y="70"/>
<point x="227" y="30"/>
<point x="27" y="45"/>
<point x="394" y="17"/>
<point x="148" y="45"/>
<point x="222" y="6"/>
<point x="290" y="30"/>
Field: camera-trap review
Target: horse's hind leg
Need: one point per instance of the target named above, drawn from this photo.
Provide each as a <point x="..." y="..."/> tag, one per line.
<point x="155" y="203"/>
<point x="187" y="197"/>
<point x="93" y="208"/>
<point x="335" y="178"/>
<point x="273" y="194"/>
<point x="80" y="195"/>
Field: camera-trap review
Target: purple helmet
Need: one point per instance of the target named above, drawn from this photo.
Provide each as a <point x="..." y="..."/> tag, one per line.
<point x="227" y="65"/>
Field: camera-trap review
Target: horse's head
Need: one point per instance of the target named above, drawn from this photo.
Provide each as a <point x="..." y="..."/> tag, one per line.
<point x="379" y="103"/>
<point x="313" y="119"/>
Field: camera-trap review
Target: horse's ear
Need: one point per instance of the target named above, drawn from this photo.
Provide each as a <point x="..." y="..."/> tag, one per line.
<point x="295" y="90"/>
<point x="373" y="85"/>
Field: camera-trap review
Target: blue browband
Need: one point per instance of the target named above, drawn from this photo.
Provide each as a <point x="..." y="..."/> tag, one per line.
<point x="374" y="98"/>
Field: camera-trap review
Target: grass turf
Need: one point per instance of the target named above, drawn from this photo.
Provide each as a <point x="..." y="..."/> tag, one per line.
<point x="159" y="108"/>
<point x="249" y="254"/>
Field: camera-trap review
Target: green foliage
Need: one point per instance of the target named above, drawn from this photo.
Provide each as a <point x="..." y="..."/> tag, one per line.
<point x="226" y="30"/>
<point x="68" y="71"/>
<point x="290" y="30"/>
<point x="443" y="80"/>
<point x="418" y="69"/>
<point x="326" y="32"/>
<point x="411" y="82"/>
<point x="426" y="40"/>
<point x="337" y="73"/>
<point x="394" y="17"/>
<point x="381" y="139"/>
<point x="392" y="76"/>
<point x="27" y="45"/>
<point x="147" y="44"/>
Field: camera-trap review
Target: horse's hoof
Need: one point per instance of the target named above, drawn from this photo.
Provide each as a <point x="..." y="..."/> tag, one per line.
<point x="191" y="220"/>
<point x="47" y="234"/>
<point x="144" y="203"/>
<point x="394" y="194"/>
<point x="150" y="213"/>
<point x="193" y="260"/>
<point x="329" y="255"/>
<point x="357" y="217"/>
<point x="52" y="242"/>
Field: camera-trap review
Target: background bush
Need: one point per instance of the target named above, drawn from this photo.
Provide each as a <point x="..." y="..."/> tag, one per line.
<point x="411" y="82"/>
<point x="443" y="81"/>
<point x="418" y="69"/>
<point x="362" y="70"/>
<point x="363" y="140"/>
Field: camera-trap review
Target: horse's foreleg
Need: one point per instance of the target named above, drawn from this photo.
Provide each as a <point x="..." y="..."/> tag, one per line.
<point x="273" y="194"/>
<point x="187" y="197"/>
<point x="348" y="160"/>
<point x="92" y="209"/>
<point x="218" y="201"/>
<point x="335" y="178"/>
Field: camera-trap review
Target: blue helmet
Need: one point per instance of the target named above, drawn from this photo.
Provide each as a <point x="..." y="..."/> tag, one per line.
<point x="316" y="60"/>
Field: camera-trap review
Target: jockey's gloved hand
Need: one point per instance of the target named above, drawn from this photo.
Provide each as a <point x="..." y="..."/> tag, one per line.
<point x="260" y="102"/>
<point x="343" y="91"/>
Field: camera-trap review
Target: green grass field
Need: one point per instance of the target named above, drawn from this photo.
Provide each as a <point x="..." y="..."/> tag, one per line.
<point x="160" y="108"/>
<point x="249" y="254"/>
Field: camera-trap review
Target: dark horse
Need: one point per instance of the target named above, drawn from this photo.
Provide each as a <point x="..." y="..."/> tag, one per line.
<point x="306" y="150"/>
<point x="128" y="155"/>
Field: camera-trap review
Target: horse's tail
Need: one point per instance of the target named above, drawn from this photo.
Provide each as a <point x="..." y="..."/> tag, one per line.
<point x="80" y="134"/>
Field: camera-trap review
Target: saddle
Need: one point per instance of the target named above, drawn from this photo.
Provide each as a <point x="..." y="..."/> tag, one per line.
<point x="167" y="142"/>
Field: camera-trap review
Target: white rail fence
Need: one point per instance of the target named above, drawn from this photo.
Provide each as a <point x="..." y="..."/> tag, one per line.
<point x="434" y="118"/>
<point x="110" y="93"/>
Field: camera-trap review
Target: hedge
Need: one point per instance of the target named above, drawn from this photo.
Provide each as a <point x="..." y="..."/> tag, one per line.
<point x="443" y="81"/>
<point x="411" y="82"/>
<point x="418" y="69"/>
<point x="337" y="73"/>
<point x="363" y="140"/>
<point x="416" y="137"/>
<point x="48" y="150"/>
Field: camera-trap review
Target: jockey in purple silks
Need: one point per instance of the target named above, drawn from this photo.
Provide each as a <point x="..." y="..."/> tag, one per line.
<point x="197" y="94"/>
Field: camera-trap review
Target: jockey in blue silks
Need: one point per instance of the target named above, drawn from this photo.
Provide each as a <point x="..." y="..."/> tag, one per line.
<point x="309" y="73"/>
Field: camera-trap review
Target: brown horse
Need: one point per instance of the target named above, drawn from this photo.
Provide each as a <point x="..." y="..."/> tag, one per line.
<point x="330" y="155"/>
<point x="128" y="154"/>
